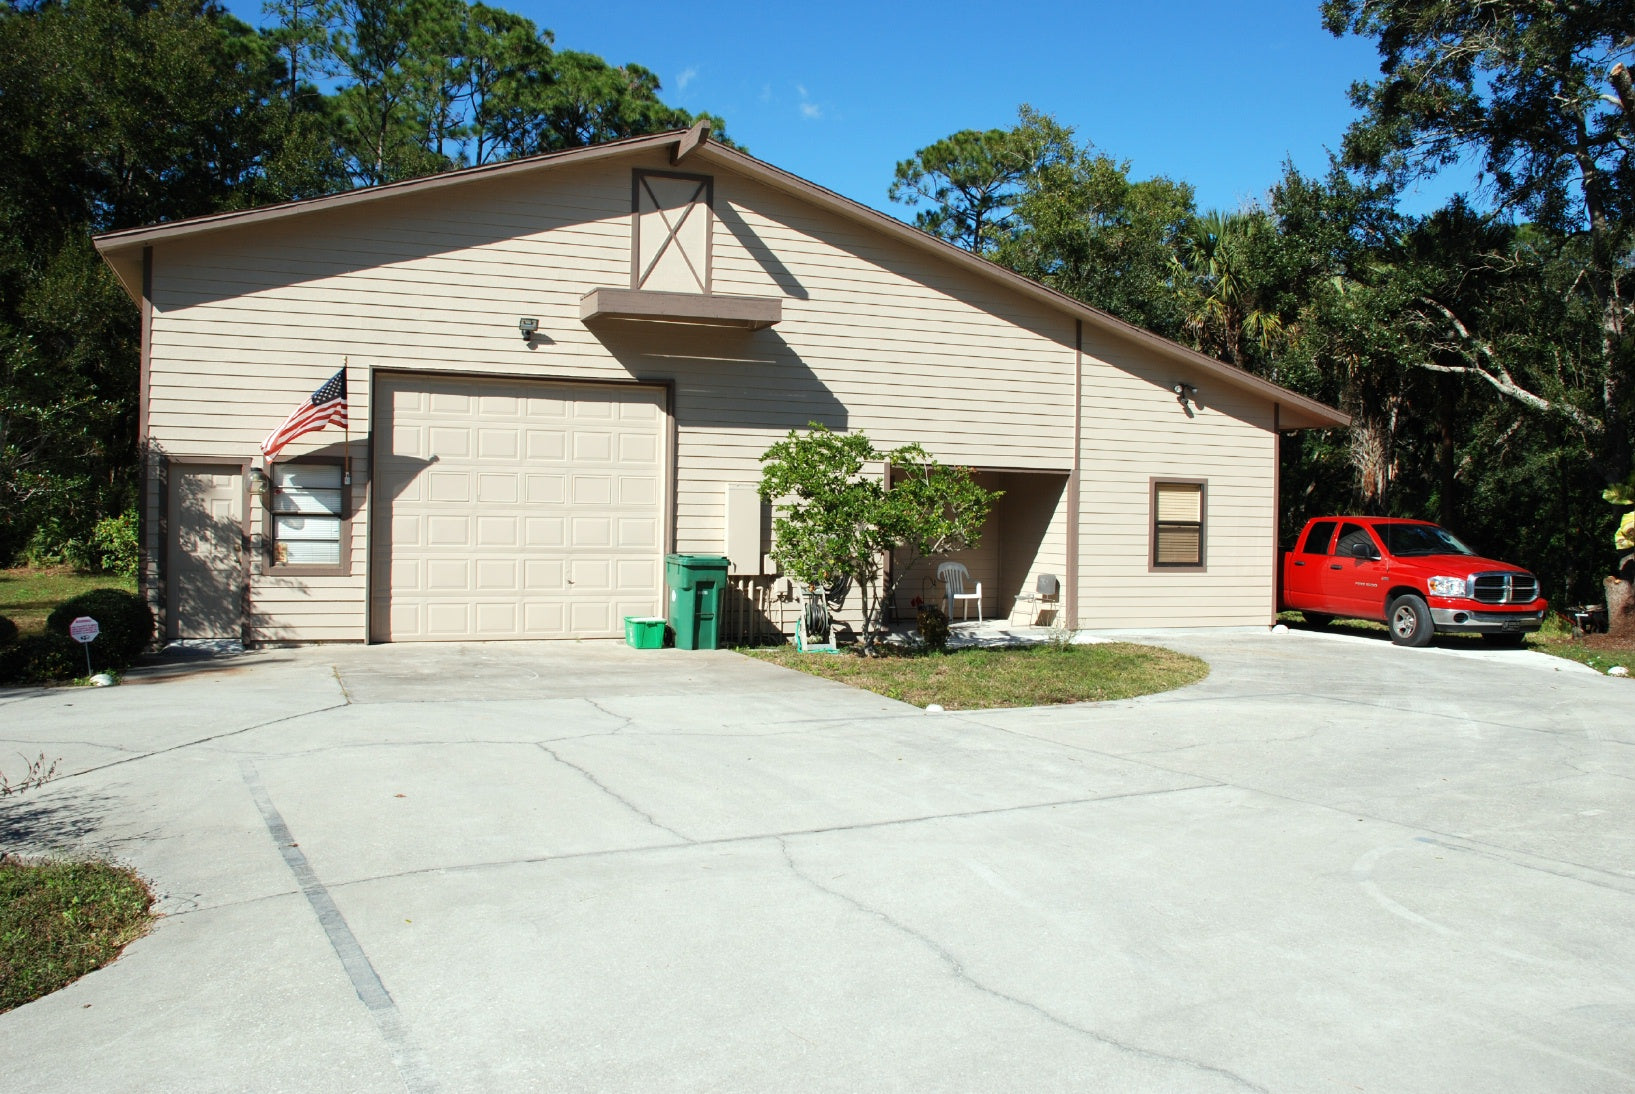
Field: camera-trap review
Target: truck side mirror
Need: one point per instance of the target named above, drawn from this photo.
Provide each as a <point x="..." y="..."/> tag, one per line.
<point x="1363" y="550"/>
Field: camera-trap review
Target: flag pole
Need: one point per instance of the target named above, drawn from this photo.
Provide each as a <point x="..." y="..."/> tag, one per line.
<point x="346" y="393"/>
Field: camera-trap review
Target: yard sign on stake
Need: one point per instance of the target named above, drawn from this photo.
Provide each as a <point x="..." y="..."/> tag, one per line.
<point x="84" y="630"/>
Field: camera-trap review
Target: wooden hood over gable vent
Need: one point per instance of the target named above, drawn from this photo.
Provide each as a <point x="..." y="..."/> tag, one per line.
<point x="671" y="257"/>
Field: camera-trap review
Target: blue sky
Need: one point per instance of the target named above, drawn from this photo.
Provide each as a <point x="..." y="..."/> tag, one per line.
<point x="1215" y="94"/>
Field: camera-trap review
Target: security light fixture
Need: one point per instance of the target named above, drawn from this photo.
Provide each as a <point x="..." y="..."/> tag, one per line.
<point x="1183" y="392"/>
<point x="527" y="327"/>
<point x="259" y="481"/>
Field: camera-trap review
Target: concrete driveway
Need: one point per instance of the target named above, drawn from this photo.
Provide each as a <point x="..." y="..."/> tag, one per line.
<point x="1333" y="865"/>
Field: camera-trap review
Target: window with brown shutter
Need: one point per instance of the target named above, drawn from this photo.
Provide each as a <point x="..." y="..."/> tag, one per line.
<point x="1178" y="524"/>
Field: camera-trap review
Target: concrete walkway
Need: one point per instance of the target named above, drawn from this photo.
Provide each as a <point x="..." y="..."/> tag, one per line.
<point x="1333" y="865"/>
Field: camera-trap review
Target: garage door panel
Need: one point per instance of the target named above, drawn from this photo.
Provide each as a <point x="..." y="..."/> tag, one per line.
<point x="638" y="534"/>
<point x="497" y="489"/>
<point x="545" y="617"/>
<point x="548" y="489"/>
<point x="448" y="619"/>
<point x="592" y="447"/>
<point x="638" y="490"/>
<point x="498" y="444"/>
<point x="517" y="509"/>
<point x="592" y="532"/>
<point x="446" y="531"/>
<point x="446" y="575"/>
<point x="496" y="575"/>
<point x="452" y="486"/>
<point x="497" y="619"/>
<point x="544" y="575"/>
<point x="589" y="617"/>
<point x="592" y="489"/>
<point x="445" y="442"/>
<point x="547" y="445"/>
<point x="544" y="531"/>
<point x="636" y="449"/>
<point x="498" y="532"/>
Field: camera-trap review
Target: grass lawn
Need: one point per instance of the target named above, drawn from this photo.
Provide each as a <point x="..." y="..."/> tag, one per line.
<point x="977" y="679"/>
<point x="1598" y="651"/>
<point x="27" y="595"/>
<point x="61" y="920"/>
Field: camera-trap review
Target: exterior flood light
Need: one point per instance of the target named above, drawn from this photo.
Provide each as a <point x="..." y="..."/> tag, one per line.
<point x="1183" y="392"/>
<point x="527" y="327"/>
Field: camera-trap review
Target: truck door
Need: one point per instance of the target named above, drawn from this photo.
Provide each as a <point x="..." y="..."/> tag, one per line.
<point x="1303" y="568"/>
<point x="1353" y="583"/>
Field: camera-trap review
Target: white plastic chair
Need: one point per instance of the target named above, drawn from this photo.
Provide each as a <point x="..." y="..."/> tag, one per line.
<point x="956" y="580"/>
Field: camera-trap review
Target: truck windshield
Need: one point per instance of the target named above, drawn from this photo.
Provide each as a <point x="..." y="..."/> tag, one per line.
<point x="1407" y="540"/>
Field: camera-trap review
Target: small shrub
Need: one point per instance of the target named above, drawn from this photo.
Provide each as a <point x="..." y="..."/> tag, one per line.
<point x="933" y="624"/>
<point x="41" y="659"/>
<point x="113" y="543"/>
<point x="55" y="544"/>
<point x="125" y="620"/>
<point x="8" y="631"/>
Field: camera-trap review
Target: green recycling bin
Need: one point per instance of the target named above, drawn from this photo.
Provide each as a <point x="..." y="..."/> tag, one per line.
<point x="697" y="585"/>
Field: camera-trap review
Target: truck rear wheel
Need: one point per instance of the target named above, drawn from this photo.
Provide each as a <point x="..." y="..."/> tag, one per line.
<point x="1409" y="619"/>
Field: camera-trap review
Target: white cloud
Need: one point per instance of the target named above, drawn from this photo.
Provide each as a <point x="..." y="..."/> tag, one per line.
<point x="808" y="109"/>
<point x="687" y="76"/>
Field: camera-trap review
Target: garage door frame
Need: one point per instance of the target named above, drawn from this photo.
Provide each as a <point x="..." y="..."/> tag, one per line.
<point x="379" y="507"/>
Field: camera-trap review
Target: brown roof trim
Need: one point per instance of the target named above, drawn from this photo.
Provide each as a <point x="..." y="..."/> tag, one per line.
<point x="180" y="229"/>
<point x="1296" y="411"/>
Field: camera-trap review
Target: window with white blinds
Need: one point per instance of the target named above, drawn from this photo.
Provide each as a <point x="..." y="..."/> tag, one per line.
<point x="1178" y="524"/>
<point x="306" y="514"/>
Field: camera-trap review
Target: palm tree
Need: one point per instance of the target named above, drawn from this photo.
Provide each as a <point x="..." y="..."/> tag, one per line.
<point x="1218" y="264"/>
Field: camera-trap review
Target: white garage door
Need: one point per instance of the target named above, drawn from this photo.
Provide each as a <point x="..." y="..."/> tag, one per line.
<point x="514" y="509"/>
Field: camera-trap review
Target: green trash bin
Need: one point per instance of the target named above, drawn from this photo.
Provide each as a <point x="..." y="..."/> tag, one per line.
<point x="697" y="584"/>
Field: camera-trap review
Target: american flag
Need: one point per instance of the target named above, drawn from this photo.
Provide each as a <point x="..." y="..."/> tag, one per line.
<point x="326" y="406"/>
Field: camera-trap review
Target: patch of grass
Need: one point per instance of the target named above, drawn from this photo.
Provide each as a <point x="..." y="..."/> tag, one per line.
<point x="1599" y="651"/>
<point x="61" y="920"/>
<point x="977" y="679"/>
<point x="27" y="594"/>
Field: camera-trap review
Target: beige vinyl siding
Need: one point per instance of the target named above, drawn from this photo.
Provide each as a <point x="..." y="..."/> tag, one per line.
<point x="1134" y="431"/>
<point x="876" y="335"/>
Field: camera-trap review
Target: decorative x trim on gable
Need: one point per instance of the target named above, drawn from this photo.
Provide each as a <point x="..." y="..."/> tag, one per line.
<point x="671" y="240"/>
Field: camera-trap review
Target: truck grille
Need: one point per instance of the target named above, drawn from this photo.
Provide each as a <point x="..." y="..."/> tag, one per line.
<point x="1504" y="588"/>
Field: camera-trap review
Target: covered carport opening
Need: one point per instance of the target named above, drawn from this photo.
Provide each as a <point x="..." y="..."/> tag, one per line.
<point x="1017" y="545"/>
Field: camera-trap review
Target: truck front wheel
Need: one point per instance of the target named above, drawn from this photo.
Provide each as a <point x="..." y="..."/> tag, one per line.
<point x="1409" y="618"/>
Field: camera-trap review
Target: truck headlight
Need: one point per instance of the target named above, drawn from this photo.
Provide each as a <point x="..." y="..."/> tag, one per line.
<point x="1447" y="586"/>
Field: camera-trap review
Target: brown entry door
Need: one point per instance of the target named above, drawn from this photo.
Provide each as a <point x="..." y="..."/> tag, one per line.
<point x="206" y="555"/>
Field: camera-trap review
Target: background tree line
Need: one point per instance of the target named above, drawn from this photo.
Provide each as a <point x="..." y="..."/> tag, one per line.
<point x="1483" y="350"/>
<point x="120" y="113"/>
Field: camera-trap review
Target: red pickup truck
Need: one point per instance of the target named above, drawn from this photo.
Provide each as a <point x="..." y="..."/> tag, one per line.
<point x="1411" y="575"/>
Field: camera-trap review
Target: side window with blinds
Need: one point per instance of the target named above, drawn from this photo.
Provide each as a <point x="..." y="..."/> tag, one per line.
<point x="307" y="526"/>
<point x="1178" y="524"/>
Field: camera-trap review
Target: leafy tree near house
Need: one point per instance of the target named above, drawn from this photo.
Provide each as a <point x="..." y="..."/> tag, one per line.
<point x="839" y="517"/>
<point x="1540" y="98"/>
